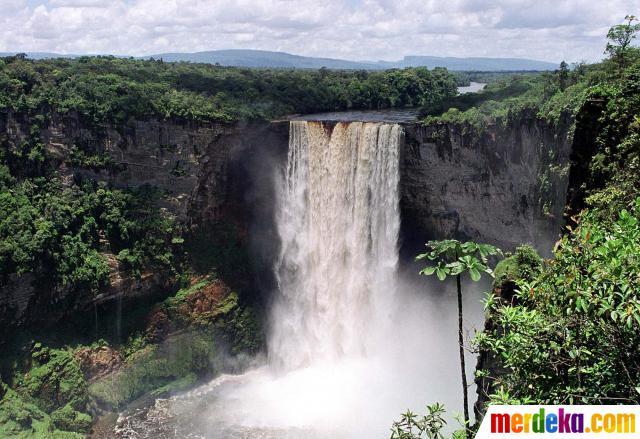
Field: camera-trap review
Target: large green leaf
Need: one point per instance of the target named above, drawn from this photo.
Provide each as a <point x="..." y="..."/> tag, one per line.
<point x="428" y="271"/>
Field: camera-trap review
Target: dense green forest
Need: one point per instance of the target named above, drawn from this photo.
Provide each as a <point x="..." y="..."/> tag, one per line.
<point x="107" y="89"/>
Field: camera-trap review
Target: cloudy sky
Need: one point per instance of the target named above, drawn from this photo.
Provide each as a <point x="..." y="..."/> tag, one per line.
<point x="549" y="30"/>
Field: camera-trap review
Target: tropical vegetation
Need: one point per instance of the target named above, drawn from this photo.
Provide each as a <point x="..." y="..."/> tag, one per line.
<point x="453" y="259"/>
<point x="572" y="323"/>
<point x="116" y="90"/>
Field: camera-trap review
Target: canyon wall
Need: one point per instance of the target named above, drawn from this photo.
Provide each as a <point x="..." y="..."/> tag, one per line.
<point x="503" y="185"/>
<point x="189" y="161"/>
<point x="202" y="169"/>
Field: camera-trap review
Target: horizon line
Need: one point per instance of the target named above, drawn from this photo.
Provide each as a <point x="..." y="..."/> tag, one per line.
<point x="368" y="61"/>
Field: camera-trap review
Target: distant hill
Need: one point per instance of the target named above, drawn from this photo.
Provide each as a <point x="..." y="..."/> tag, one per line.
<point x="39" y="55"/>
<point x="476" y="63"/>
<point x="263" y="58"/>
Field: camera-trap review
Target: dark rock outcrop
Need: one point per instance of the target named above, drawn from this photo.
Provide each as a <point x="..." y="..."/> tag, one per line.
<point x="97" y="362"/>
<point x="502" y="185"/>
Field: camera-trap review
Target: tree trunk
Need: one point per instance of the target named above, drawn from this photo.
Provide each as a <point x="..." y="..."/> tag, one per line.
<point x="462" y="363"/>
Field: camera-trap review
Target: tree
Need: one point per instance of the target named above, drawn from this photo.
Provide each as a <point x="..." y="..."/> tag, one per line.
<point x="621" y="36"/>
<point x="563" y="75"/>
<point x="453" y="258"/>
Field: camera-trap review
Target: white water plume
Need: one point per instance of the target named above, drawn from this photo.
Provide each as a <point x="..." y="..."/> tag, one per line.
<point x="338" y="222"/>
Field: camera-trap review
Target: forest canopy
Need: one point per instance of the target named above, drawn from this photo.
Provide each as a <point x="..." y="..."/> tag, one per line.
<point x="107" y="89"/>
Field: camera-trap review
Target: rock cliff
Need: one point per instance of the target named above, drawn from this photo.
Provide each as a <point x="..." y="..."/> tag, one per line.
<point x="503" y="185"/>
<point x="205" y="171"/>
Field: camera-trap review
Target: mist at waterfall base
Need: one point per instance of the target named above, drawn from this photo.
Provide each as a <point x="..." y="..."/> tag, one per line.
<point x="354" y="340"/>
<point x="353" y="397"/>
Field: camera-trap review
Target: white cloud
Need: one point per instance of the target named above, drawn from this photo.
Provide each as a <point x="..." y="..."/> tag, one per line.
<point x="81" y="3"/>
<point x="354" y="29"/>
<point x="9" y="6"/>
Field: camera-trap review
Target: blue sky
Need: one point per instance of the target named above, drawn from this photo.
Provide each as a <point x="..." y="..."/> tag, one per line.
<point x="550" y="30"/>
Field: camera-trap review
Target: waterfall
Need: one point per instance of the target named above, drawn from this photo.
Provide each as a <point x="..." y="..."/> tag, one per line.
<point x="338" y="220"/>
<point x="337" y="366"/>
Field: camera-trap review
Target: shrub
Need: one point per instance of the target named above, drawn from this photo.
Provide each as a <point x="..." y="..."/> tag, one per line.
<point x="523" y="264"/>
<point x="574" y="328"/>
<point x="54" y="381"/>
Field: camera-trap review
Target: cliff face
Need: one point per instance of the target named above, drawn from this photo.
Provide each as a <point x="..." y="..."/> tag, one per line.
<point x="502" y="185"/>
<point x="188" y="161"/>
<point x="205" y="171"/>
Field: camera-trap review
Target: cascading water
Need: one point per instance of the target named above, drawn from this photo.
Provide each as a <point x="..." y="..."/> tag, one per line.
<point x="338" y="222"/>
<point x="351" y="342"/>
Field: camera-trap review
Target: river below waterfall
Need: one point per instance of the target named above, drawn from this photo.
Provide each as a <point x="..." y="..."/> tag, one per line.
<point x="353" y="340"/>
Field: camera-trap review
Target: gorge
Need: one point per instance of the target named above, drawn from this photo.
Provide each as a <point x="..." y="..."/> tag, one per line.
<point x="343" y="356"/>
<point x="452" y="182"/>
<point x="375" y="192"/>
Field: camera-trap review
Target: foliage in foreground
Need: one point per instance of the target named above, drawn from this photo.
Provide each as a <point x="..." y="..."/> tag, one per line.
<point x="454" y="258"/>
<point x="429" y="426"/>
<point x="574" y="328"/>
